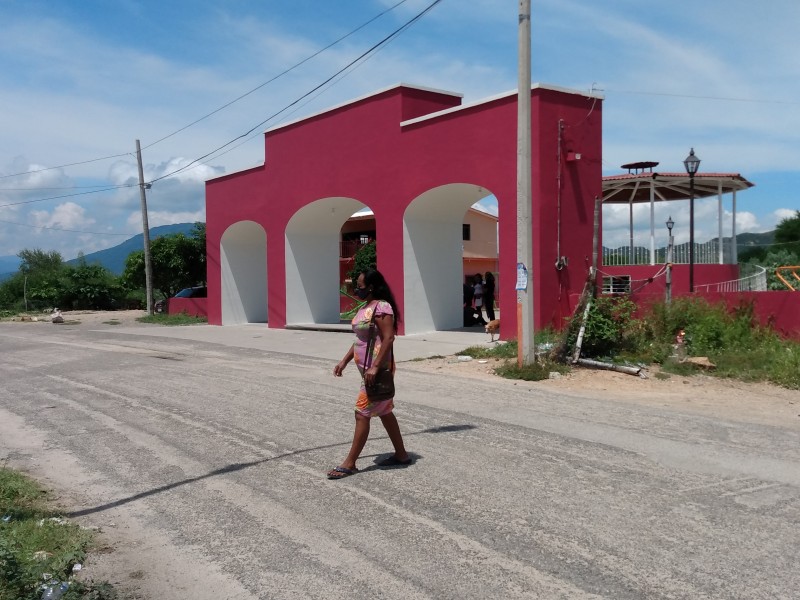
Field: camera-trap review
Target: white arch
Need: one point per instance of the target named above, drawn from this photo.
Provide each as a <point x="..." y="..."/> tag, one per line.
<point x="312" y="260"/>
<point x="432" y="256"/>
<point x="243" y="269"/>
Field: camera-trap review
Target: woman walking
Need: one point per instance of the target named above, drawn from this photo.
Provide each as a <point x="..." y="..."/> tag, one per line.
<point x="378" y="320"/>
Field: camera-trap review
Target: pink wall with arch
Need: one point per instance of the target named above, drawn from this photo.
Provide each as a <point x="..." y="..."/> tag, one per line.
<point x="418" y="160"/>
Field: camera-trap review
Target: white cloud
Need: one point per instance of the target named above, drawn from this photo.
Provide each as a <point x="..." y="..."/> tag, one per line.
<point x="783" y="213"/>
<point x="64" y="216"/>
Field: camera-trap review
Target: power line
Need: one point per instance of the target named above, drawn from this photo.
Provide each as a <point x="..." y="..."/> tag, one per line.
<point x="39" y="189"/>
<point x="279" y="75"/>
<point x="62" y="229"/>
<point x="83" y="162"/>
<point x="224" y="106"/>
<point x="116" y="187"/>
<point x="374" y="48"/>
<point x="694" y="97"/>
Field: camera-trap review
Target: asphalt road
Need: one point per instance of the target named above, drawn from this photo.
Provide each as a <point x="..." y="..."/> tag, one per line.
<point x="209" y="459"/>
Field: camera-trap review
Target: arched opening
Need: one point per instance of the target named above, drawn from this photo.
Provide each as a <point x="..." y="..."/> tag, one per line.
<point x="433" y="256"/>
<point x="312" y="261"/>
<point x="243" y="262"/>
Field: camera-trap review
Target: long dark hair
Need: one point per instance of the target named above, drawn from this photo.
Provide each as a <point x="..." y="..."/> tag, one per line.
<point x="381" y="291"/>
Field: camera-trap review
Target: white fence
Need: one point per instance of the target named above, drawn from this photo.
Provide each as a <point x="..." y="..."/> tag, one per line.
<point x="704" y="254"/>
<point x="756" y="281"/>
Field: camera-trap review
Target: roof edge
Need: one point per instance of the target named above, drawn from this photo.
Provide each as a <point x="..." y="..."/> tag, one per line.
<point x="411" y="86"/>
<point x="496" y="97"/>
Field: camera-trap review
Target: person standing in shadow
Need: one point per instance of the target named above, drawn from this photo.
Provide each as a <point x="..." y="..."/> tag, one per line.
<point x="477" y="288"/>
<point x="488" y="295"/>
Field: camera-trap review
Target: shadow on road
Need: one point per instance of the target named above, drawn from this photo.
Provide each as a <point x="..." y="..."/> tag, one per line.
<point x="246" y="465"/>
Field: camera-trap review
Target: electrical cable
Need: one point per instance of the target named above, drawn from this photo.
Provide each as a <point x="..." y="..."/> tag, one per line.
<point x="375" y="47"/>
<point x="279" y="75"/>
<point x="224" y="106"/>
<point x="62" y="229"/>
<point x="83" y="162"/>
<point x="116" y="187"/>
<point x="693" y="97"/>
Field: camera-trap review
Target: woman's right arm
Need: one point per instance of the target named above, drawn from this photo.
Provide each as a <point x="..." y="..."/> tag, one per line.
<point x="339" y="368"/>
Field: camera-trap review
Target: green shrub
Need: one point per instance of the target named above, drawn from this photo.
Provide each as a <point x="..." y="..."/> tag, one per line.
<point x="731" y="339"/>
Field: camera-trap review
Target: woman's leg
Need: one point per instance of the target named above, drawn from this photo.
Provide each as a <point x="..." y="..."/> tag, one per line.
<point x="490" y="309"/>
<point x="359" y="439"/>
<point x="393" y="429"/>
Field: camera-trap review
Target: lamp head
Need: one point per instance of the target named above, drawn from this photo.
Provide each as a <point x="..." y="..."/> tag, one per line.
<point x="692" y="163"/>
<point x="670" y="224"/>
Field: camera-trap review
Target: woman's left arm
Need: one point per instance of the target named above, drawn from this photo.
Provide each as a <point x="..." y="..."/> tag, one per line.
<point x="385" y="324"/>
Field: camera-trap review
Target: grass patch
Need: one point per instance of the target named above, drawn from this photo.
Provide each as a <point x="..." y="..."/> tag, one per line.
<point x="112" y="322"/>
<point x="421" y="358"/>
<point x="533" y="372"/>
<point x="37" y="547"/>
<point x="507" y="350"/>
<point x="179" y="319"/>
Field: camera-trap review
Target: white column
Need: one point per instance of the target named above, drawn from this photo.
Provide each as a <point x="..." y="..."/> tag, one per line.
<point x="734" y="250"/>
<point x="719" y="218"/>
<point x="652" y="222"/>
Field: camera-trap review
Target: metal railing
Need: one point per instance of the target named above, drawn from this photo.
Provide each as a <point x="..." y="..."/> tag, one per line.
<point x="704" y="254"/>
<point x="755" y="281"/>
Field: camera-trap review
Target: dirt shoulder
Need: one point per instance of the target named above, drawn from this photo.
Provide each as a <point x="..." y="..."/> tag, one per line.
<point x="94" y="318"/>
<point x="760" y="403"/>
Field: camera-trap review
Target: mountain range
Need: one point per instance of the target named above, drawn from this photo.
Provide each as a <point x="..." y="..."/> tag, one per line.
<point x="113" y="258"/>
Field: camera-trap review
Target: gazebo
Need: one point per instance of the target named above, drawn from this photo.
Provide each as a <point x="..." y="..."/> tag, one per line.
<point x="641" y="184"/>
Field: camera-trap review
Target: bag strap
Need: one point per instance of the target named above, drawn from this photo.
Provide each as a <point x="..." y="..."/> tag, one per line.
<point x="371" y="343"/>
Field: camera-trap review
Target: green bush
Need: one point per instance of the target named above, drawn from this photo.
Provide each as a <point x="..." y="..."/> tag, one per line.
<point x="731" y="339"/>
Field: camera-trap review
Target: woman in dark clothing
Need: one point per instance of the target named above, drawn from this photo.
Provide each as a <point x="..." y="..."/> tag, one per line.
<point x="488" y="295"/>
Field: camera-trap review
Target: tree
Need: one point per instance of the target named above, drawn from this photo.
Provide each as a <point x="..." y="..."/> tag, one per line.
<point x="88" y="286"/>
<point x="39" y="261"/>
<point x="787" y="233"/>
<point x="40" y="273"/>
<point x="178" y="262"/>
<point x="365" y="258"/>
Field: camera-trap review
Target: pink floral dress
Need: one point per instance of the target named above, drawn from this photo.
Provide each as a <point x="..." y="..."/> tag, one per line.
<point x="362" y="330"/>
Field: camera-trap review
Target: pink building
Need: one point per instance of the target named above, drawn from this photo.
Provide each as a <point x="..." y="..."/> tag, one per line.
<point x="419" y="160"/>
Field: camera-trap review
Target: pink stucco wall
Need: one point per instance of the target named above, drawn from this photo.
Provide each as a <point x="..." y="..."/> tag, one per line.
<point x="194" y="307"/>
<point x="361" y="151"/>
<point x="779" y="309"/>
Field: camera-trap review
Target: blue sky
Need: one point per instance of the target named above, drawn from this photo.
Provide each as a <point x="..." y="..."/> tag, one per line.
<point x="83" y="80"/>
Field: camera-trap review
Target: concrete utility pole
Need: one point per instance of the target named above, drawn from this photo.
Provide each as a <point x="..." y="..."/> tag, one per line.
<point x="148" y="267"/>
<point x="526" y="352"/>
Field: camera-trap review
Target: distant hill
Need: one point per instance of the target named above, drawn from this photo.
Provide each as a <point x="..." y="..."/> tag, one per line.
<point x="8" y="264"/>
<point x="750" y="240"/>
<point x="112" y="259"/>
<point x="743" y="241"/>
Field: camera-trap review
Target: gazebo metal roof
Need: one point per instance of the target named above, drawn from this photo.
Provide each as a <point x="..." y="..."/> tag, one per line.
<point x="637" y="187"/>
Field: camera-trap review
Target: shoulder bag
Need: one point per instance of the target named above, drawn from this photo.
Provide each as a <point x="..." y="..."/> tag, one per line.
<point x="382" y="387"/>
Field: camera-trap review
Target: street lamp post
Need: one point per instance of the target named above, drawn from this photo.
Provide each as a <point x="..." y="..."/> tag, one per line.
<point x="670" y="225"/>
<point x="691" y="163"/>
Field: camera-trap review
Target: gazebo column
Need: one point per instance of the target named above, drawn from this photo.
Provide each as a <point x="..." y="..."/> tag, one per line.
<point x="652" y="223"/>
<point x="734" y="249"/>
<point x="719" y="220"/>
<point x="631" y="260"/>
